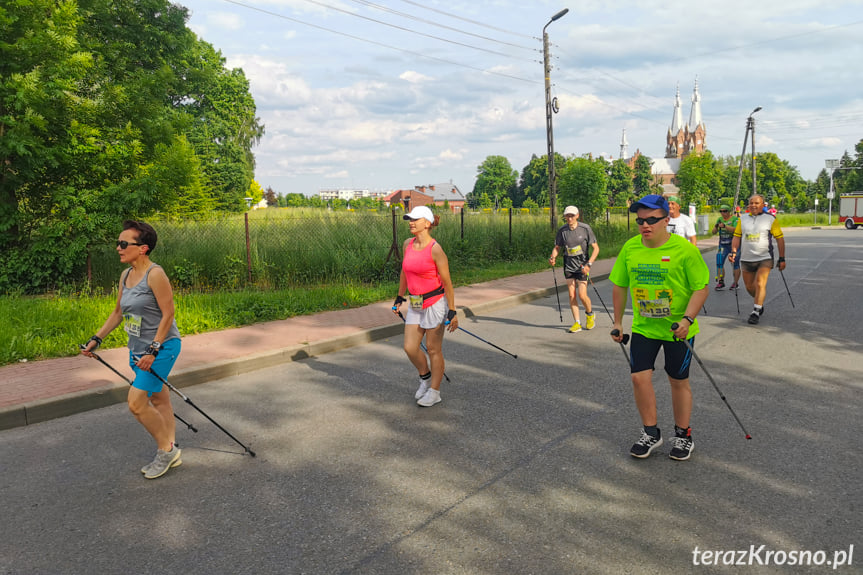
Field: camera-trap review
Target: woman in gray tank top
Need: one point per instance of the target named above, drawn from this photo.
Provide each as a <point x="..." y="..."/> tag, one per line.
<point x="145" y="305"/>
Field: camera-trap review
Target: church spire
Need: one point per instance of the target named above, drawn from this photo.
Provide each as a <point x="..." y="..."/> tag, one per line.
<point x="624" y="146"/>
<point x="677" y="119"/>
<point x="695" y="113"/>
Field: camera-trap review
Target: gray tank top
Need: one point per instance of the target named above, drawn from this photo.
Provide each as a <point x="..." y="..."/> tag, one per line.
<point x="141" y="314"/>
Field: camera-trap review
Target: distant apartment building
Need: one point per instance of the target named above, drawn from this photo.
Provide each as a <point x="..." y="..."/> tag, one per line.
<point x="350" y="194"/>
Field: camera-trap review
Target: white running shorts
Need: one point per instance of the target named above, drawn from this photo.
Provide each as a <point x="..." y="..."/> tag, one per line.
<point x="429" y="318"/>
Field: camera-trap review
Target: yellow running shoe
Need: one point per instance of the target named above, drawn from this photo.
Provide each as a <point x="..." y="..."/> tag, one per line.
<point x="576" y="327"/>
<point x="591" y="321"/>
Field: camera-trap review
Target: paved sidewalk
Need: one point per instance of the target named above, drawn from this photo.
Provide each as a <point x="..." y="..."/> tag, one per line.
<point x="38" y="391"/>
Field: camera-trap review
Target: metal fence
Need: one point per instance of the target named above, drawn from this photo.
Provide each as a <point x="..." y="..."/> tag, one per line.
<point x="283" y="247"/>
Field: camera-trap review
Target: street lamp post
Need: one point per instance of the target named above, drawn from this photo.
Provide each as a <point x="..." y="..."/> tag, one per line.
<point x="552" y="177"/>
<point x="831" y="165"/>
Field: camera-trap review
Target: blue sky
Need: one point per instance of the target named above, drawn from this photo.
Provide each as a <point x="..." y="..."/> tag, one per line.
<point x="349" y="102"/>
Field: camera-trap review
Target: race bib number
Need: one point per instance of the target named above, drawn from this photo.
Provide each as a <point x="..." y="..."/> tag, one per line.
<point x="753" y="237"/>
<point x="573" y="251"/>
<point x="655" y="307"/>
<point x="416" y="302"/>
<point x="132" y="324"/>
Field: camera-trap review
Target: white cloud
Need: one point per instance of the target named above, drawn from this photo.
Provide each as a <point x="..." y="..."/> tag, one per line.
<point x="338" y="107"/>
<point x="414" y="77"/>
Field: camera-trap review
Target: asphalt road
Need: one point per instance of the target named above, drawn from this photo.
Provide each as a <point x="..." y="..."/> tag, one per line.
<point x="523" y="468"/>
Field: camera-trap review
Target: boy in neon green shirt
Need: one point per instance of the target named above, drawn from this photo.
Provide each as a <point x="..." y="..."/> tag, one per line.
<point x="668" y="280"/>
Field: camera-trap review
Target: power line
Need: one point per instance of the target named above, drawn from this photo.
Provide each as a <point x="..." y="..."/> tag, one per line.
<point x="439" y="25"/>
<point x="382" y="45"/>
<point x="483" y="24"/>
<point x="403" y="29"/>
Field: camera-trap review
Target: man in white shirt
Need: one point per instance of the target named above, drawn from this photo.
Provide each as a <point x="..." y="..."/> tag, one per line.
<point x="678" y="223"/>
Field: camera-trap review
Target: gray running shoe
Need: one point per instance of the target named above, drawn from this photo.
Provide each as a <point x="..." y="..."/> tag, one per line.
<point x="146" y="468"/>
<point x="163" y="462"/>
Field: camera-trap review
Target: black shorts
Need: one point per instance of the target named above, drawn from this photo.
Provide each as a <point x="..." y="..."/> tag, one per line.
<point x="643" y="352"/>
<point x="577" y="275"/>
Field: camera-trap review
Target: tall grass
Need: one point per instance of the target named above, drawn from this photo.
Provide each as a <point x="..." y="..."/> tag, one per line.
<point x="290" y="249"/>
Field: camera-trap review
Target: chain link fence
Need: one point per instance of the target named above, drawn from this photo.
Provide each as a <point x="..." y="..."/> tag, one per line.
<point x="283" y="247"/>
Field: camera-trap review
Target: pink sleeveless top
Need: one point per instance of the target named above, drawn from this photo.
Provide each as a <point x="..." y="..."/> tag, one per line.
<point x="421" y="272"/>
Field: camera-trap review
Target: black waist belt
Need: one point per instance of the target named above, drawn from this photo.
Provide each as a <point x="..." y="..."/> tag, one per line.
<point x="434" y="292"/>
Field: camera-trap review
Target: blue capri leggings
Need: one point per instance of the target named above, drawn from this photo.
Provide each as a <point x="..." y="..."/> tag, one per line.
<point x="162" y="365"/>
<point x="722" y="254"/>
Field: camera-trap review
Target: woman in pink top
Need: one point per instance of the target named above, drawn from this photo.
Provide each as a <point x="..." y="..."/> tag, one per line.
<point x="425" y="276"/>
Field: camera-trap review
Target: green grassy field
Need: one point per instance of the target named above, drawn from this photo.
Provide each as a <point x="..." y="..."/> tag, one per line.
<point x="302" y="266"/>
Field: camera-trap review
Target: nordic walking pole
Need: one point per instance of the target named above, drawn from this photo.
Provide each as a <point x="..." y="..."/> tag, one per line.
<point x="603" y="303"/>
<point x="109" y="366"/>
<point x="615" y="333"/>
<point x="674" y="327"/>
<point x="201" y="411"/>
<point x="786" y="287"/>
<point x="736" y="300"/>
<point x="488" y="342"/>
<point x="557" y="293"/>
<point x="422" y="345"/>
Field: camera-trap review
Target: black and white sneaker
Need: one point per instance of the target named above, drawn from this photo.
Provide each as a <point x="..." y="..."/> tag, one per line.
<point x="645" y="445"/>
<point x="754" y="317"/>
<point x="682" y="447"/>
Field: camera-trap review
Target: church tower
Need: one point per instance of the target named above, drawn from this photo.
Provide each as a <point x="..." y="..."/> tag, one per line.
<point x="695" y="130"/>
<point x="683" y="139"/>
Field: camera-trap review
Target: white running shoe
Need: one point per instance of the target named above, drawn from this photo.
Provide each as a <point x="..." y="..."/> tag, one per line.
<point x="421" y="390"/>
<point x="431" y="397"/>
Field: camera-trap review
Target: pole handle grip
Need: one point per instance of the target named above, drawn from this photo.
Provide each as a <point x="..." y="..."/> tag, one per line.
<point x="616" y="332"/>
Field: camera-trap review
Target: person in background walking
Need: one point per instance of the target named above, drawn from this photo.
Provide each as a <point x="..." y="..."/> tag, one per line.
<point x="425" y="277"/>
<point x="725" y="225"/>
<point x="753" y="239"/>
<point x="574" y="238"/>
<point x="145" y="305"/>
<point x="680" y="224"/>
<point x="668" y="280"/>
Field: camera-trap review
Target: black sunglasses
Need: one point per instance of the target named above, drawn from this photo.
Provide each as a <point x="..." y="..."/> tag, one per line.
<point x="649" y="221"/>
<point x="123" y="244"/>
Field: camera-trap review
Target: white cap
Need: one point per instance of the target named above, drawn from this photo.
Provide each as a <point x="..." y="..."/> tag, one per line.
<point x="570" y="210"/>
<point x="418" y="213"/>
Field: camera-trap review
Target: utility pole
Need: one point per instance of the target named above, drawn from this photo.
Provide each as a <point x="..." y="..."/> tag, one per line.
<point x="750" y="126"/>
<point x="549" y="132"/>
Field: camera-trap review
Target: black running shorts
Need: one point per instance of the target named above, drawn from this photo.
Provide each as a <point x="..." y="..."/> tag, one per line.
<point x="643" y="352"/>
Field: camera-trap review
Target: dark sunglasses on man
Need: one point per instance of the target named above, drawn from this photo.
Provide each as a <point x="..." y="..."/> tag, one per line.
<point x="649" y="221"/>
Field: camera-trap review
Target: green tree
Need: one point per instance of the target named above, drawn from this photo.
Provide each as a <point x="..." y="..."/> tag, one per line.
<point x="643" y="177"/>
<point x="620" y="185"/>
<point x="496" y="178"/>
<point x="583" y="183"/>
<point x="533" y="183"/>
<point x="699" y="179"/>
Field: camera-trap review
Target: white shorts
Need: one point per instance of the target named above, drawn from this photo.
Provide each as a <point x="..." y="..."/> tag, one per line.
<point x="429" y="318"/>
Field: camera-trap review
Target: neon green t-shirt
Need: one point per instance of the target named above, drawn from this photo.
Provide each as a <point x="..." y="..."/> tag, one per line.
<point x="661" y="281"/>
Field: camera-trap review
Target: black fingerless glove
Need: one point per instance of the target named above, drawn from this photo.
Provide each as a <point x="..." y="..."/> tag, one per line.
<point x="449" y="315"/>
<point x="399" y="300"/>
<point x="98" y="341"/>
<point x="152" y="350"/>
